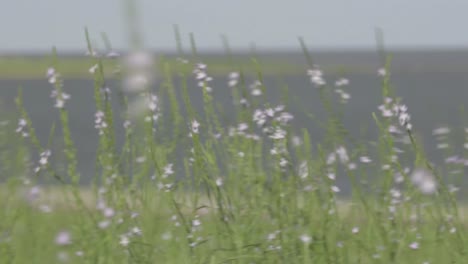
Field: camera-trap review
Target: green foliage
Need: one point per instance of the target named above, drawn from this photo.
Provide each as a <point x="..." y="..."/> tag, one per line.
<point x="236" y="203"/>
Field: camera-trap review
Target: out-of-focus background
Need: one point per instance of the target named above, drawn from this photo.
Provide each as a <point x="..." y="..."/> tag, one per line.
<point x="34" y="26"/>
<point x="426" y="39"/>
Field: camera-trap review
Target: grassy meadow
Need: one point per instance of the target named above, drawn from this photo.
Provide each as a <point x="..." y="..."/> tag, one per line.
<point x="29" y="67"/>
<point x="256" y="191"/>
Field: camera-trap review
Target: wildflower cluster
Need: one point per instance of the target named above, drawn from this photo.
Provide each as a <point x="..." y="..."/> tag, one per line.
<point x="202" y="77"/>
<point x="57" y="94"/>
<point x="165" y="183"/>
<point x="22" y="127"/>
<point x="441" y="135"/>
<point x="391" y="108"/>
<point x="195" y="237"/>
<point x="153" y="107"/>
<point x="303" y="170"/>
<point x="271" y="121"/>
<point x="33" y="195"/>
<point x="344" y="96"/>
<point x="242" y="129"/>
<point x="342" y="154"/>
<point x="255" y="194"/>
<point x="424" y="180"/>
<point x="255" y="88"/>
<point x="273" y="241"/>
<point x="233" y="79"/>
<point x="126" y="238"/>
<point x="99" y="122"/>
<point x="43" y="160"/>
<point x="194" y="127"/>
<point x="107" y="212"/>
<point x="316" y="76"/>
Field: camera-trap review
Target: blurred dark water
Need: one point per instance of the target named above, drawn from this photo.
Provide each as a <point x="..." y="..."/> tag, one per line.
<point x="433" y="99"/>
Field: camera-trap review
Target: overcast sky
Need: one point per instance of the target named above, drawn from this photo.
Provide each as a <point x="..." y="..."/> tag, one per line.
<point x="32" y="25"/>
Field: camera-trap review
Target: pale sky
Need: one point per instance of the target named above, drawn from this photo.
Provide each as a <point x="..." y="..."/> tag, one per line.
<point x="37" y="25"/>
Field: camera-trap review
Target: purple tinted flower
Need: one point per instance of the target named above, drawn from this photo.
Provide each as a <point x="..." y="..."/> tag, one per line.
<point x="63" y="238"/>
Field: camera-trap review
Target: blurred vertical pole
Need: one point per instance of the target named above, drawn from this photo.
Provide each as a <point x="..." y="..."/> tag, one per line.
<point x="379" y="42"/>
<point x="139" y="72"/>
<point x="180" y="48"/>
<point x="133" y="26"/>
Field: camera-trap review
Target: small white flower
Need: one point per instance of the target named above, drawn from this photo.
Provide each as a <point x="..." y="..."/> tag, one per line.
<point x="331" y="158"/>
<point x="140" y="159"/>
<point x="136" y="231"/>
<point x="219" y="182"/>
<point x="365" y="159"/>
<point x="316" y="76"/>
<point x="242" y="127"/>
<point x="127" y="124"/>
<point x="234" y="75"/>
<point x="93" y="69"/>
<point x="168" y="170"/>
<point x="44" y="157"/>
<point x="201" y="66"/>
<point x="271" y="236"/>
<point x="283" y="162"/>
<point x="53" y="79"/>
<point x="355" y="230"/>
<point x="414" y="245"/>
<point x="256" y="92"/>
<point x="386" y="167"/>
<point x="442" y="146"/>
<point x="441" y="131"/>
<point x="452" y="188"/>
<point x="113" y="54"/>
<point x="196" y="222"/>
<point x="394" y="130"/>
<point x="108" y="212"/>
<point x="91" y="53"/>
<point x="50" y="72"/>
<point x="342" y="82"/>
<point x="278" y="134"/>
<point x="134" y="215"/>
<point x="233" y="79"/>
<point x="342" y="154"/>
<point x="104" y="224"/>
<point x="124" y="241"/>
<point x="63" y="238"/>
<point x="424" y="180"/>
<point x="382" y="72"/>
<point x="345" y="96"/>
<point x="296" y="141"/>
<point x="152" y="105"/>
<point x="195" y="126"/>
<point x="335" y="189"/>
<point x="166" y="236"/>
<point x="200" y="75"/>
<point x="352" y="166"/>
<point x="303" y="170"/>
<point x="45" y="208"/>
<point x="270" y="112"/>
<point x="306" y="239"/>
